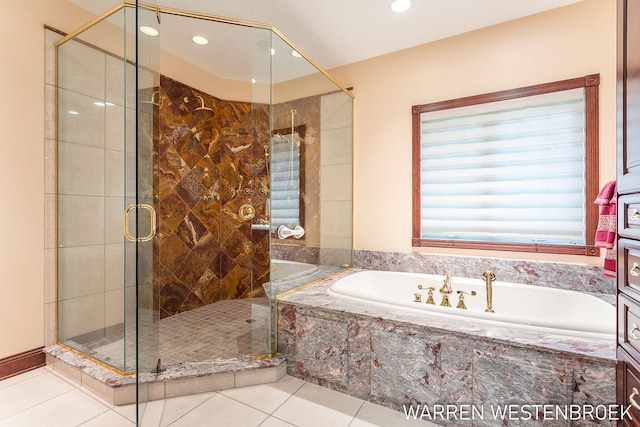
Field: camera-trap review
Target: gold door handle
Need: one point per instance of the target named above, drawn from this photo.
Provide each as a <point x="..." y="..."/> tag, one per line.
<point x="632" y="400"/>
<point x="152" y="215"/>
<point x="632" y="332"/>
<point x="635" y="214"/>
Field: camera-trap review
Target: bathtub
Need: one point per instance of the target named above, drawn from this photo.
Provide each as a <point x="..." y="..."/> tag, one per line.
<point x="524" y="307"/>
<point x="282" y="269"/>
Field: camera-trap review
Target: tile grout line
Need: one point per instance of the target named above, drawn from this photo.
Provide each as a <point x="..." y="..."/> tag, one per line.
<point x="357" y="412"/>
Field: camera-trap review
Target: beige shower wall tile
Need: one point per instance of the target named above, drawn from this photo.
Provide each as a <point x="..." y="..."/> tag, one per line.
<point x="337" y="146"/>
<point x="81" y="69"/>
<point x="114" y="219"/>
<point x="114" y="169"/>
<point x="80" y="169"/>
<point x="336" y="111"/>
<point x="49" y="111"/>
<point x="82" y="220"/>
<point x="50" y="240"/>
<point x="80" y="271"/>
<point x="115" y="80"/>
<point x="79" y="120"/>
<point x="114" y="307"/>
<point x="336" y="183"/>
<point x="120" y="132"/>
<point x="50" y="38"/>
<point x="335" y="219"/>
<point x="79" y="316"/>
<point x="50" y="323"/>
<point x="50" y="275"/>
<point x="50" y="173"/>
<point x="115" y="270"/>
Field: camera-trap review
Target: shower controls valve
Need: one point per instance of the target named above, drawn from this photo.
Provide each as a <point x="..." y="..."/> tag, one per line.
<point x="247" y="212"/>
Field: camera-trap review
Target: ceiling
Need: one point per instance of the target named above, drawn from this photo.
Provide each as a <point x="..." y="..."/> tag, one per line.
<point x="339" y="32"/>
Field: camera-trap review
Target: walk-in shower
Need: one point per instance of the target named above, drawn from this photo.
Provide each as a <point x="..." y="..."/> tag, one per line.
<point x="167" y="156"/>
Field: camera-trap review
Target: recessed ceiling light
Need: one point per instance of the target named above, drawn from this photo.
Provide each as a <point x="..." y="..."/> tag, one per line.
<point x="73" y="113"/>
<point x="200" y="40"/>
<point x="399" y="6"/>
<point x="253" y="81"/>
<point x="296" y="54"/>
<point x="150" y="31"/>
<point x="99" y="104"/>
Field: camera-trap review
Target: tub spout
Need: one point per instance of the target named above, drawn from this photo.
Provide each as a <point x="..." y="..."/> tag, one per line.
<point x="445" y="291"/>
<point x="489" y="276"/>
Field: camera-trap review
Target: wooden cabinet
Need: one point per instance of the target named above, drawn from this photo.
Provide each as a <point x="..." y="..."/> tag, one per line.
<point x="628" y="102"/>
<point x="628" y="186"/>
<point x="628" y="386"/>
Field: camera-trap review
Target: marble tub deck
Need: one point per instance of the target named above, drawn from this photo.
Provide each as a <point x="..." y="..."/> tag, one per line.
<point x="395" y="358"/>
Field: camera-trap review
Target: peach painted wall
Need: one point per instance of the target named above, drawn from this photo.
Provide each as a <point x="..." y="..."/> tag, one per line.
<point x="567" y="42"/>
<point x="22" y="167"/>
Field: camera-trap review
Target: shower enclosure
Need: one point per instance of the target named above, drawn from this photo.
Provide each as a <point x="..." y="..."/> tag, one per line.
<point x="195" y="182"/>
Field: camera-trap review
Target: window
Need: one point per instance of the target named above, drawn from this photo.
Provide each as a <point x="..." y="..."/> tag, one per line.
<point x="286" y="163"/>
<point x="515" y="170"/>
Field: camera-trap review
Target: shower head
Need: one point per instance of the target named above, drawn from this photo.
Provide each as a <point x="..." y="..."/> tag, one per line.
<point x="153" y="99"/>
<point x="201" y="112"/>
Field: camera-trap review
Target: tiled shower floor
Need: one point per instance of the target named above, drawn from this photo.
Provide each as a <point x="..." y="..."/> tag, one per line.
<point x="224" y="329"/>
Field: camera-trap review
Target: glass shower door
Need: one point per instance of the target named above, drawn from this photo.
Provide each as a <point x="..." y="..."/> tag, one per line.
<point x="140" y="215"/>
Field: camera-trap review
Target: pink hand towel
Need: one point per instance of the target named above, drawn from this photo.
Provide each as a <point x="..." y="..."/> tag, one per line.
<point x="607" y="223"/>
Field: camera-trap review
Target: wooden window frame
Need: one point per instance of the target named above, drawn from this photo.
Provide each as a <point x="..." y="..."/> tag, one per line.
<point x="590" y="84"/>
<point x="301" y="130"/>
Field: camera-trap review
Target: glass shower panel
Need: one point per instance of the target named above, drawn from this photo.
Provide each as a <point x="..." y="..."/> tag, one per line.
<point x="141" y="211"/>
<point x="311" y="162"/>
<point x="207" y="163"/>
<point x="92" y="100"/>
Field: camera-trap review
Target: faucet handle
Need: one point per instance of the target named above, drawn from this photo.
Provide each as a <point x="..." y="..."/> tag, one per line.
<point x="461" y="295"/>
<point x="417" y="297"/>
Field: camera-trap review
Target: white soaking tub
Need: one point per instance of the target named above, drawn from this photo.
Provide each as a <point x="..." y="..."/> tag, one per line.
<point x="525" y="307"/>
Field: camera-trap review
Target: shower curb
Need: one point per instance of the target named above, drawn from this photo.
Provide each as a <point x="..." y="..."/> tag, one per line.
<point x="177" y="380"/>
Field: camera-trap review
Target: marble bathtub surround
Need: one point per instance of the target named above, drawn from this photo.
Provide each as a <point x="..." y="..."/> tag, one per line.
<point x="397" y="358"/>
<point x="575" y="277"/>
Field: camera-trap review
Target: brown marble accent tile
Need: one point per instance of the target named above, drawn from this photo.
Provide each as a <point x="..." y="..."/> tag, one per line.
<point x="190" y="189"/>
<point x="236" y="284"/>
<point x="191" y="302"/>
<point x="207" y="248"/>
<point x="238" y="247"/>
<point x="191" y="230"/>
<point x="206" y="168"/>
<point x="190" y="270"/>
<point x="172" y="211"/>
<point x="190" y="149"/>
<point x="205" y="171"/>
<point x="208" y="287"/>
<point x="173" y="252"/>
<point x="172" y="295"/>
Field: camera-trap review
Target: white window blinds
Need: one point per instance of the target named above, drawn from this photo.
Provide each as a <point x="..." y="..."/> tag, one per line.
<point x="285" y="180"/>
<point x="508" y="171"/>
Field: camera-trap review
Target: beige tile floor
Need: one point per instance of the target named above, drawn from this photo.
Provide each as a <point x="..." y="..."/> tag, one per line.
<point x="43" y="398"/>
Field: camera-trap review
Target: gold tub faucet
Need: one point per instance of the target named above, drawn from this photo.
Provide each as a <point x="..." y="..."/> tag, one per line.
<point x="461" y="295"/>
<point x="489" y="276"/>
<point x="430" y="299"/>
<point x="445" y="291"/>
